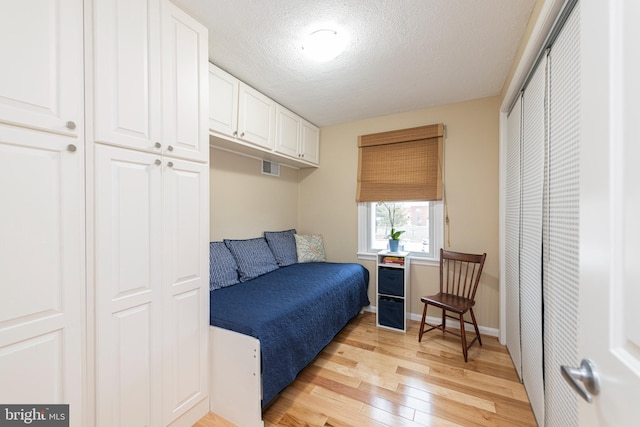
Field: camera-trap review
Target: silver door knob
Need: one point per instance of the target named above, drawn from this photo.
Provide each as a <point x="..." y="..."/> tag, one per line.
<point x="71" y="125"/>
<point x="589" y="385"/>
<point x="170" y="148"/>
<point x="72" y="148"/>
<point x="157" y="145"/>
<point x="242" y="134"/>
<point x="158" y="162"/>
<point x="170" y="164"/>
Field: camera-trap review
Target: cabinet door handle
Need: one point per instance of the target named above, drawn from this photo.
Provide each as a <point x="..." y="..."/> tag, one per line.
<point x="170" y="164"/>
<point x="71" y="148"/>
<point x="242" y="134"/>
<point x="235" y="133"/>
<point x="158" y="162"/>
<point x="170" y="148"/>
<point x="157" y="145"/>
<point x="71" y="125"/>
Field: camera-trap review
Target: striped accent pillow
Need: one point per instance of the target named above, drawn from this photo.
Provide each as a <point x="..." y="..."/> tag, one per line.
<point x="253" y="256"/>
<point x="223" y="270"/>
<point x="283" y="246"/>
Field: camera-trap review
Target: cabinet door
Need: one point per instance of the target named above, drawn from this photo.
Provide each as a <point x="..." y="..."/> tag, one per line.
<point x="41" y="84"/>
<point x="310" y="143"/>
<point x="223" y="102"/>
<point x="185" y="85"/>
<point x="127" y="73"/>
<point x="127" y="287"/>
<point x="256" y="117"/>
<point x="41" y="269"/>
<point x="185" y="281"/>
<point x="287" y="132"/>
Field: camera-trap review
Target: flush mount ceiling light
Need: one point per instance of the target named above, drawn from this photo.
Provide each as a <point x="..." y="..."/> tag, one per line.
<point x="324" y="45"/>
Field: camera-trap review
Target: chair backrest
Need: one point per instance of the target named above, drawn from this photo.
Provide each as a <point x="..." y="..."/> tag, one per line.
<point x="460" y="273"/>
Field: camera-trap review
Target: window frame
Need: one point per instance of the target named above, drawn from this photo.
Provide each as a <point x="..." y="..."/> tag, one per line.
<point x="436" y="234"/>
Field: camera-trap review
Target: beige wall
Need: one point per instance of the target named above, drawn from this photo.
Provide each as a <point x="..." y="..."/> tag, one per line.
<point x="244" y="202"/>
<point x="327" y="195"/>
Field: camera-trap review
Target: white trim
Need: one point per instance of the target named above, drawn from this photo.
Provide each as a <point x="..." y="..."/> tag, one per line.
<point x="484" y="330"/>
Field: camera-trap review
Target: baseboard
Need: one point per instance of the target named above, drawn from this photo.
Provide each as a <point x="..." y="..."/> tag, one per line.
<point x="484" y="330"/>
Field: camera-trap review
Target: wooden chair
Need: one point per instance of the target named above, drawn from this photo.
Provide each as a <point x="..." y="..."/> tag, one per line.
<point x="459" y="278"/>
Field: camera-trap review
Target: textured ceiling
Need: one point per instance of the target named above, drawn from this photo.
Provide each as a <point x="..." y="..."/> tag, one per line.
<point x="402" y="55"/>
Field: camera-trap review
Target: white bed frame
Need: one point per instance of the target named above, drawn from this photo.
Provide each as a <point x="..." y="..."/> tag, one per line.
<point x="235" y="381"/>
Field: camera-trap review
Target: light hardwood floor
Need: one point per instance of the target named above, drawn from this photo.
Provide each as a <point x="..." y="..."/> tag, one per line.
<point x="376" y="377"/>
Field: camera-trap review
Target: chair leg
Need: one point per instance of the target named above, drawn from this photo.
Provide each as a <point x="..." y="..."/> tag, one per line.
<point x="424" y="316"/>
<point x="475" y="325"/>
<point x="444" y="320"/>
<point x="463" y="336"/>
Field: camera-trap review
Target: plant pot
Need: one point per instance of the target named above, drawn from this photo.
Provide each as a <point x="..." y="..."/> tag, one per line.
<point x="393" y="245"/>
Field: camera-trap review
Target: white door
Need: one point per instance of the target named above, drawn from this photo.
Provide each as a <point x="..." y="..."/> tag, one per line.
<point x="127" y="286"/>
<point x="41" y="72"/>
<point x="41" y="269"/>
<point x="223" y="101"/>
<point x="185" y="85"/>
<point x="287" y="132"/>
<point x="185" y="283"/>
<point x="127" y="73"/>
<point x="310" y="141"/>
<point x="610" y="210"/>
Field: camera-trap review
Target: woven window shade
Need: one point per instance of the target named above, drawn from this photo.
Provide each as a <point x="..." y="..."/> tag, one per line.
<point x="401" y="165"/>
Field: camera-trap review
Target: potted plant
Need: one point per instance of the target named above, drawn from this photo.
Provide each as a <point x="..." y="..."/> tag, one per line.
<point x="394" y="235"/>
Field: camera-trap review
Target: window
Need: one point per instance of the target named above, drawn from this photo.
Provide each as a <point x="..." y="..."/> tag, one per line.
<point x="421" y="222"/>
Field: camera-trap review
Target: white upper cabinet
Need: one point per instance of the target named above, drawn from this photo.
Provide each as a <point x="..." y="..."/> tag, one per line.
<point x="185" y="104"/>
<point x="296" y="137"/>
<point x="150" y="78"/>
<point x="237" y="110"/>
<point x="223" y="101"/>
<point x="256" y="115"/>
<point x="41" y="77"/>
<point x="127" y="73"/>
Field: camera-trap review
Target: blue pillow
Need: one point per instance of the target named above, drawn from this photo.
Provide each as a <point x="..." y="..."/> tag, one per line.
<point x="283" y="246"/>
<point x="223" y="270"/>
<point x="253" y="256"/>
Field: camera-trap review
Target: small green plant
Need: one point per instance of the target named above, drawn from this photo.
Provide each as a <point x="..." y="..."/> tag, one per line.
<point x="395" y="234"/>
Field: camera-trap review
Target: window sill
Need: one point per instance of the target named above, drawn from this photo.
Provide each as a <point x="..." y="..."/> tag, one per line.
<point x="415" y="260"/>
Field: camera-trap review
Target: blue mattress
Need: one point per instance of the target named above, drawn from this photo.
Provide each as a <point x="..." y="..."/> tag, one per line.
<point x="294" y="311"/>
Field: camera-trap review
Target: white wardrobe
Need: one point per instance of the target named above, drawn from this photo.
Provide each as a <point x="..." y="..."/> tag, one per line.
<point x="104" y="170"/>
<point x="541" y="223"/>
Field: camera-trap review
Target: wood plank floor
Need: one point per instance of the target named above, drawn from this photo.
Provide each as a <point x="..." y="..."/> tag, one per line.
<point x="375" y="377"/>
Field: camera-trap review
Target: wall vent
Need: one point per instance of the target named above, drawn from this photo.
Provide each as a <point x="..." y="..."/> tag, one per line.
<point x="270" y="168"/>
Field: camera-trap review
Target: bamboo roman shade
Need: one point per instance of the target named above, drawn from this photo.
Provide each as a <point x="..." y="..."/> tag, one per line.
<point x="401" y="165"/>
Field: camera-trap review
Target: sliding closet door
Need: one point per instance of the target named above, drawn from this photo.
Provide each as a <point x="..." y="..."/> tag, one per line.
<point x="532" y="183"/>
<point x="561" y="257"/>
<point x="512" y="235"/>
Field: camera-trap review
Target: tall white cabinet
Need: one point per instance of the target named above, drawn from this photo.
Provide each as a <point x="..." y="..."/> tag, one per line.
<point x="42" y="231"/>
<point x="104" y="221"/>
<point x="151" y="207"/>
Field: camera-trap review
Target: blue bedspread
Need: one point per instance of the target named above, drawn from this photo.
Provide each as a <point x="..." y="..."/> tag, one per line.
<point x="294" y="311"/>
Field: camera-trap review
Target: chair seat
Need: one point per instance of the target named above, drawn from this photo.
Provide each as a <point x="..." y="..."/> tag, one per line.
<point x="454" y="303"/>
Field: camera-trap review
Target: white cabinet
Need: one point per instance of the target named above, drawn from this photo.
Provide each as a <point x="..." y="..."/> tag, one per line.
<point x="239" y="111"/>
<point x="393" y="290"/>
<point x="42" y="269"/>
<point x="41" y="73"/>
<point x="150" y="90"/>
<point x="296" y="137"/>
<point x="185" y="104"/>
<point x="128" y="288"/>
<point x="151" y="259"/>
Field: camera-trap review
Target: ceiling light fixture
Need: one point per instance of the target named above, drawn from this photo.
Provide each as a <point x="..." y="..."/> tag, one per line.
<point x="324" y="45"/>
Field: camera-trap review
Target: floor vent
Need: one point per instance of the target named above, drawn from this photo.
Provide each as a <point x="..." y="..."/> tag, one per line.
<point x="270" y="168"/>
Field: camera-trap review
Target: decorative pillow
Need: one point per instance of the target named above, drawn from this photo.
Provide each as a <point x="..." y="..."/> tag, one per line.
<point x="283" y="246"/>
<point x="223" y="270"/>
<point x="310" y="248"/>
<point x="253" y="256"/>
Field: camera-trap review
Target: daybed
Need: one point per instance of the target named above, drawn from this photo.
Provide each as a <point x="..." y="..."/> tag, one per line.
<point x="267" y="327"/>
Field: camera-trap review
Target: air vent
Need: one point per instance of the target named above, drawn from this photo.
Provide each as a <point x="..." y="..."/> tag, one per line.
<point x="270" y="168"/>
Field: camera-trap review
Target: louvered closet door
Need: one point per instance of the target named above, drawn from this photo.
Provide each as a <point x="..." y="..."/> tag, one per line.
<point x="532" y="183"/>
<point x="561" y="256"/>
<point x="512" y="235"/>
